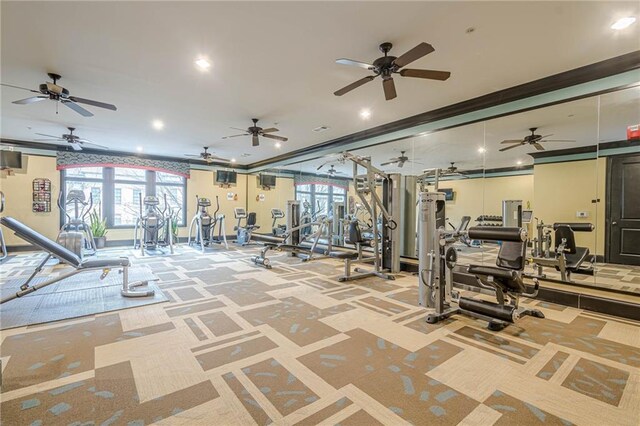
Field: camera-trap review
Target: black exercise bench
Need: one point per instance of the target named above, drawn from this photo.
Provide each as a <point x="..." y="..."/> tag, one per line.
<point x="66" y="256"/>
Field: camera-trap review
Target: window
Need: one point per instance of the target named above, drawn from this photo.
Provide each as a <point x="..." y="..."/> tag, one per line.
<point x="320" y="197"/>
<point x="116" y="191"/>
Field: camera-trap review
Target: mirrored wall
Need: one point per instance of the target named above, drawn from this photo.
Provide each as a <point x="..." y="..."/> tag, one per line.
<point x="569" y="173"/>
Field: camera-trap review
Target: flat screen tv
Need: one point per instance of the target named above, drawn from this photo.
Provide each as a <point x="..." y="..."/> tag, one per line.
<point x="10" y="160"/>
<point x="268" y="180"/>
<point x="226" y="176"/>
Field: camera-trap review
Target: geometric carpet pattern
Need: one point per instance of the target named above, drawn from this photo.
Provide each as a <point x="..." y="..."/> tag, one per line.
<point x="239" y="344"/>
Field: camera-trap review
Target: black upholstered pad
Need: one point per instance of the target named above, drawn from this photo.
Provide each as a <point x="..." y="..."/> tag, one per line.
<point x="342" y="255"/>
<point x="37" y="239"/>
<point x="575" y="260"/>
<point x="505" y="274"/>
<point x="105" y="263"/>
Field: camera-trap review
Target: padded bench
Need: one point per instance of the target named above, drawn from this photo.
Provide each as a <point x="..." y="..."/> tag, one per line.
<point x="66" y="256"/>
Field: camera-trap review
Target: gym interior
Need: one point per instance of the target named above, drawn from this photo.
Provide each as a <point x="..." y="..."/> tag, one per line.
<point x="211" y="216"/>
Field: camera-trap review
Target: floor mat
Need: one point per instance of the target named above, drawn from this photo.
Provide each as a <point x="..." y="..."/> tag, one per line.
<point x="80" y="295"/>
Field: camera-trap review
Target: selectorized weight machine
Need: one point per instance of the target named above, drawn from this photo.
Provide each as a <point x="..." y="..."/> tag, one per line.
<point x="438" y="257"/>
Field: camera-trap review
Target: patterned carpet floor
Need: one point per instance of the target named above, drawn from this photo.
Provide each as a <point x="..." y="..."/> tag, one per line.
<point x="237" y="345"/>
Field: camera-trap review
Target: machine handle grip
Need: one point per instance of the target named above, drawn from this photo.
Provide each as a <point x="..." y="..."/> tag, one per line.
<point x="391" y="224"/>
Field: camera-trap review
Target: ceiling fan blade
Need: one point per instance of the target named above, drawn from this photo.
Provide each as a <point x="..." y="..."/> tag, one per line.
<point x="354" y="85"/>
<point x="415" y="162"/>
<point x="389" y="89"/>
<point x="400" y="164"/>
<point x="510" y="147"/>
<point x="345" y="61"/>
<point x="223" y="160"/>
<point x="242" y="130"/>
<point x="429" y="74"/>
<point x="93" y="145"/>
<point x="270" y="130"/>
<point x="77" y="108"/>
<point x="280" y="138"/>
<point x="388" y="163"/>
<point x="254" y="140"/>
<point x="50" y="140"/>
<point x="557" y="140"/>
<point x="30" y="100"/>
<point x="18" y="87"/>
<point x="50" y="136"/>
<point x="512" y="141"/>
<point x="538" y="146"/>
<point x="416" y="53"/>
<point x="76" y="146"/>
<point x="193" y="155"/>
<point x="235" y="136"/>
<point x="545" y="136"/>
<point x="93" y="103"/>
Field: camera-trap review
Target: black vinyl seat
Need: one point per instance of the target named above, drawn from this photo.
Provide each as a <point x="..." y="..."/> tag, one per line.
<point x="511" y="260"/>
<point x="355" y="234"/>
<point x="565" y="241"/>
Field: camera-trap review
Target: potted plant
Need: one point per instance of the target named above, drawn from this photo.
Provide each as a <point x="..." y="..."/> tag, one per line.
<point x="174" y="228"/>
<point x="98" y="229"/>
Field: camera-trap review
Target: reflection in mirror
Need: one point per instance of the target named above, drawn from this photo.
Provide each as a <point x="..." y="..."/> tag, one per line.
<point x="541" y="174"/>
<point x="618" y="214"/>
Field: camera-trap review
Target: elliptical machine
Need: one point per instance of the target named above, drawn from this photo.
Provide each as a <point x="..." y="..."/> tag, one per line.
<point x="205" y="225"/>
<point x="75" y="234"/>
<point x="153" y="226"/>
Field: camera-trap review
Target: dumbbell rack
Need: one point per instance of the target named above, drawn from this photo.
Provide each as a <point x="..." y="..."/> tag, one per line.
<point x="489" y="220"/>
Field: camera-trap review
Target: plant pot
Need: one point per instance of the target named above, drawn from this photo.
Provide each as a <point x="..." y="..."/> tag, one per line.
<point x="101" y="242"/>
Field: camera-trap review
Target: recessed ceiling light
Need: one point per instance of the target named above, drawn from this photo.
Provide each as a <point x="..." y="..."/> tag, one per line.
<point x="519" y="162"/>
<point x="482" y="150"/>
<point x="139" y="148"/>
<point x="278" y="144"/>
<point x="365" y="114"/>
<point x="202" y="64"/>
<point x="157" y="124"/>
<point x="233" y="160"/>
<point x="623" y="23"/>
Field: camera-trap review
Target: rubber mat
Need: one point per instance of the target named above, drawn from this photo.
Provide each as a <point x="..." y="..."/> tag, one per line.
<point x="80" y="295"/>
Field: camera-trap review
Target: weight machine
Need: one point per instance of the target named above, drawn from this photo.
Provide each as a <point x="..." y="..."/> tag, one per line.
<point x="153" y="226"/>
<point x="438" y="257"/>
<point x="205" y="225"/>
<point x="566" y="257"/>
<point x="75" y="234"/>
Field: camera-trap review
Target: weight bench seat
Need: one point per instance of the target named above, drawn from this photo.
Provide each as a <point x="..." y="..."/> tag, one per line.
<point x="68" y="257"/>
<point x="574" y="260"/>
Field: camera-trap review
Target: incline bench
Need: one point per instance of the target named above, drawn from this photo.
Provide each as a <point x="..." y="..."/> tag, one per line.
<point x="54" y="249"/>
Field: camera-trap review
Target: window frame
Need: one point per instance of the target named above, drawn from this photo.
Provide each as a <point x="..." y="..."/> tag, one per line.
<point x="109" y="181"/>
<point x="329" y="194"/>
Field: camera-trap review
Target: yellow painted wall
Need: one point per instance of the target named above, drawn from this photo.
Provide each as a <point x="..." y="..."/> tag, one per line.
<point x="18" y="194"/>
<point x="475" y="197"/>
<point x="18" y="197"/>
<point x="275" y="197"/>
<point x="562" y="189"/>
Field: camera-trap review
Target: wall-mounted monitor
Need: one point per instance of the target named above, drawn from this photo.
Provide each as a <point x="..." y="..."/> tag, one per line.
<point x="448" y="193"/>
<point x="268" y="180"/>
<point x="10" y="160"/>
<point x="224" y="177"/>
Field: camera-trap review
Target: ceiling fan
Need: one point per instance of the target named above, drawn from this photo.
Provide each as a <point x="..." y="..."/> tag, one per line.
<point x="56" y="93"/>
<point x="332" y="171"/>
<point x="77" y="143"/>
<point x="399" y="161"/>
<point x="339" y="160"/>
<point x="452" y="170"/>
<point x="256" y="131"/>
<point x="207" y="156"/>
<point x="387" y="65"/>
<point x="531" y="139"/>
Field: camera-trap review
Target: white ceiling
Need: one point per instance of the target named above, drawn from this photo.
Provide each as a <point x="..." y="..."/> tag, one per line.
<point x="275" y="61"/>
